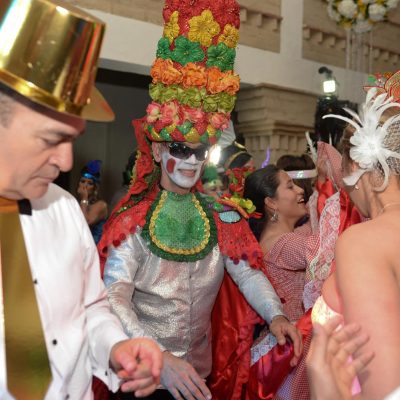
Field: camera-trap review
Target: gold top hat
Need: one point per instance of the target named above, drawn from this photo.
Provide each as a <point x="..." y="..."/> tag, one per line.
<point x="49" y="52"/>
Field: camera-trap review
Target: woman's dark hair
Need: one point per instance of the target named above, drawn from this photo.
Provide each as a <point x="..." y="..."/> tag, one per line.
<point x="296" y="163"/>
<point x="260" y="184"/>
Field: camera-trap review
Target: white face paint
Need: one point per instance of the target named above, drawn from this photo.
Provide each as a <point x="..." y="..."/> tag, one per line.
<point x="183" y="173"/>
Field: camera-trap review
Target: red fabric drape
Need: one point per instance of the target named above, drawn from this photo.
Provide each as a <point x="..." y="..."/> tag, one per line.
<point x="268" y="373"/>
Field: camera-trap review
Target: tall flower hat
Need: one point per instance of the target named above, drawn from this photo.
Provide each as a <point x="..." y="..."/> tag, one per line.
<point x="193" y="91"/>
<point x="194" y="87"/>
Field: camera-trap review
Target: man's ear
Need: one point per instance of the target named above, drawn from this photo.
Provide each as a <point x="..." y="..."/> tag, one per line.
<point x="156" y="147"/>
<point x="270" y="204"/>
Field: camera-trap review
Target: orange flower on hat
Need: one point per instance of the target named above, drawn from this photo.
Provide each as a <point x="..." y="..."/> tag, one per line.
<point x="203" y="28"/>
<point x="170" y="74"/>
<point x="230" y="82"/>
<point x="214" y="80"/>
<point x="158" y="68"/>
<point x="193" y="75"/>
<point x="171" y="28"/>
<point x="230" y="36"/>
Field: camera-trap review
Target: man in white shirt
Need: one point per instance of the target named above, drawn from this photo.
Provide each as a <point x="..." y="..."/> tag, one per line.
<point x="46" y="93"/>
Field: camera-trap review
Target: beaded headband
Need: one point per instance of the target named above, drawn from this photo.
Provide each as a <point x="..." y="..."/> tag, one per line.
<point x="303" y="174"/>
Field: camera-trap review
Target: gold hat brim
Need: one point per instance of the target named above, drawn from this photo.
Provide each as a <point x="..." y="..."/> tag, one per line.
<point x="48" y="54"/>
<point x="97" y="109"/>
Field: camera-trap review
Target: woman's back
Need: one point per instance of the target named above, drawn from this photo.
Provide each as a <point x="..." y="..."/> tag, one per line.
<point x="368" y="278"/>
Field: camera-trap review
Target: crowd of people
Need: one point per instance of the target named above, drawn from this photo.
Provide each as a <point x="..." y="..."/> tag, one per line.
<point x="224" y="281"/>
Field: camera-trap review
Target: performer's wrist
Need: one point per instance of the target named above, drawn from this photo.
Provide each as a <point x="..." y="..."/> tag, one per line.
<point x="84" y="202"/>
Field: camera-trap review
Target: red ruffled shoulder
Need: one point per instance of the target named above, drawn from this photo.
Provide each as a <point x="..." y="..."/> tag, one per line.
<point x="236" y="240"/>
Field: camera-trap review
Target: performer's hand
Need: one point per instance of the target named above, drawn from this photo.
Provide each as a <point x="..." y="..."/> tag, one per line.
<point x="281" y="328"/>
<point x="138" y="363"/>
<point x="330" y="370"/>
<point x="181" y="379"/>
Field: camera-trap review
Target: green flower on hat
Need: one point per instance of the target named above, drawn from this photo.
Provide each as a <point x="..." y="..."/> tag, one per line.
<point x="191" y="97"/>
<point x="226" y="102"/>
<point x="221" y="56"/>
<point x="163" y="50"/>
<point x="186" y="51"/>
<point x="169" y="93"/>
<point x="155" y="91"/>
<point x="210" y="103"/>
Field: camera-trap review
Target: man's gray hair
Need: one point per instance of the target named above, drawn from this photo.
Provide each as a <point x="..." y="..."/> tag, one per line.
<point x="7" y="101"/>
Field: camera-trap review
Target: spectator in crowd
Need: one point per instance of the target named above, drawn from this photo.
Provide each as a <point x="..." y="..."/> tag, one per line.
<point x="94" y="209"/>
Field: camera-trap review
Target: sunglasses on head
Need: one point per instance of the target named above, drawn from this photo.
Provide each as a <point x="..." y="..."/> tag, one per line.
<point x="183" y="152"/>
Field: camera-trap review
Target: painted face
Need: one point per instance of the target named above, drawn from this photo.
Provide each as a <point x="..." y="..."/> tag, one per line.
<point x="214" y="188"/>
<point x="34" y="147"/>
<point x="289" y="198"/>
<point x="182" y="173"/>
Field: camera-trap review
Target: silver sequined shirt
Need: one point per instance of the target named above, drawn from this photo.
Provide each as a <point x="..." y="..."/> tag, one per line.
<point x="172" y="301"/>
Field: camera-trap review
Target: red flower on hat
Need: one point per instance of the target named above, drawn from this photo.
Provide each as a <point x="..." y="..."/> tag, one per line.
<point x="219" y="120"/>
<point x="153" y="111"/>
<point x="226" y="12"/>
<point x="170" y="113"/>
<point x="193" y="115"/>
<point x="186" y="8"/>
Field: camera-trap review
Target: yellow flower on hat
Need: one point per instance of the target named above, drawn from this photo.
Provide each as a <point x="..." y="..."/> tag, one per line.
<point x="203" y="28"/>
<point x="171" y="28"/>
<point x="230" y="36"/>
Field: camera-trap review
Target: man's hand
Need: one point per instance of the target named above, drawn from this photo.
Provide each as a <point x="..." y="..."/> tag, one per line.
<point x="181" y="379"/>
<point x="329" y="368"/>
<point x="281" y="328"/>
<point x="138" y="363"/>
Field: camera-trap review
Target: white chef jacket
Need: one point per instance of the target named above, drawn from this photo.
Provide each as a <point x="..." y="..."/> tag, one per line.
<point x="78" y="325"/>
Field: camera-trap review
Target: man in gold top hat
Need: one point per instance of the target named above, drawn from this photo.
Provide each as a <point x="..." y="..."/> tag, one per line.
<point x="56" y="328"/>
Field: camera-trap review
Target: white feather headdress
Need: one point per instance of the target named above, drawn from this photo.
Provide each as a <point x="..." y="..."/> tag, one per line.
<point x="370" y="140"/>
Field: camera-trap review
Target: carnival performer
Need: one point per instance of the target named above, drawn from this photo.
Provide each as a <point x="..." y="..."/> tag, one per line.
<point x="365" y="286"/>
<point x="56" y="327"/>
<point x="94" y="209"/>
<point x="166" y="247"/>
<point x="212" y="182"/>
